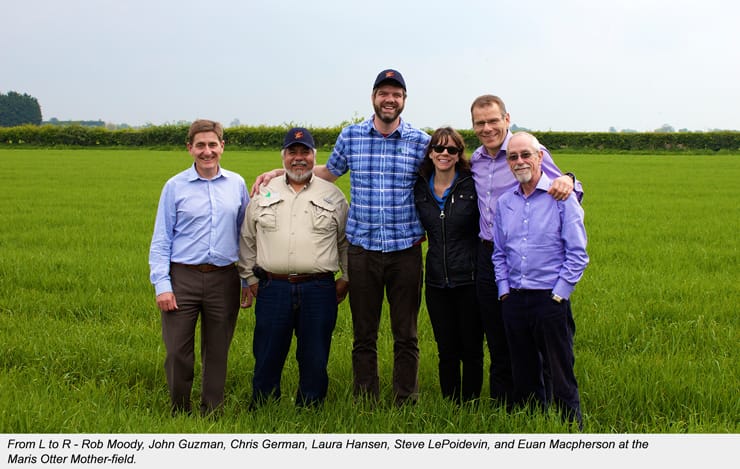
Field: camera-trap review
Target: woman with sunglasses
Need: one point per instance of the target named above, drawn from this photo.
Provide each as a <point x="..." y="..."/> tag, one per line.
<point x="448" y="207"/>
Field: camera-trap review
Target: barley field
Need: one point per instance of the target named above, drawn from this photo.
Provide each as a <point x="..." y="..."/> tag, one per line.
<point x="656" y="312"/>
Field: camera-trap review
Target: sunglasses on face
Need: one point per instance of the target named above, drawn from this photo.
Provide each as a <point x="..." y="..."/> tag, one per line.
<point x="450" y="150"/>
<point x="525" y="155"/>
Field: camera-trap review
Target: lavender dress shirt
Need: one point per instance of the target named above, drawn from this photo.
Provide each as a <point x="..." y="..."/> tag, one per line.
<point x="493" y="178"/>
<point x="539" y="242"/>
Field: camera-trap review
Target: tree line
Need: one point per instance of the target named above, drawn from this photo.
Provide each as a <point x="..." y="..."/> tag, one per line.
<point x="263" y="137"/>
<point x="20" y="118"/>
<point x="19" y="109"/>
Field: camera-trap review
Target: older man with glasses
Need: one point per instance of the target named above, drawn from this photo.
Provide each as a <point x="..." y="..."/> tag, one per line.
<point x="539" y="256"/>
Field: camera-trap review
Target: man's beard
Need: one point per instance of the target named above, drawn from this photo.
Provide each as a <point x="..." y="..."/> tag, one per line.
<point x="385" y="118"/>
<point x="523" y="178"/>
<point x="298" y="177"/>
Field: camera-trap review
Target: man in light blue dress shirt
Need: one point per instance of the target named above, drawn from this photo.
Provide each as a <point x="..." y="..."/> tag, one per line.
<point x="192" y="262"/>
<point x="539" y="256"/>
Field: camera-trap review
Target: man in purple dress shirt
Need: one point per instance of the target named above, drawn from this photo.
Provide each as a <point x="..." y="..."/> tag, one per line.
<point x="539" y="256"/>
<point x="492" y="179"/>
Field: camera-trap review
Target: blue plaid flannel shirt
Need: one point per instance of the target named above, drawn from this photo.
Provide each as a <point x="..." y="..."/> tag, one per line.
<point x="383" y="170"/>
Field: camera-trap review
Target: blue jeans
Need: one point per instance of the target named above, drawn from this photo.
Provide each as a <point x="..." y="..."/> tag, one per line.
<point x="308" y="309"/>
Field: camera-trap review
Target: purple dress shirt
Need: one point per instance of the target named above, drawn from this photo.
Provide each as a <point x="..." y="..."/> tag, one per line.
<point x="539" y="242"/>
<point x="493" y="178"/>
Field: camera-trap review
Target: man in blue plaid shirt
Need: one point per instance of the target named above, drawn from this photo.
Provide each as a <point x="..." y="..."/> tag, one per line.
<point x="383" y="155"/>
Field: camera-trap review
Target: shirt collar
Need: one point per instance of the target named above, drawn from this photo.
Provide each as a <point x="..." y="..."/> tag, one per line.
<point x="371" y="127"/>
<point x="504" y="144"/>
<point x="307" y="184"/>
<point x="481" y="151"/>
<point x="193" y="174"/>
<point x="543" y="184"/>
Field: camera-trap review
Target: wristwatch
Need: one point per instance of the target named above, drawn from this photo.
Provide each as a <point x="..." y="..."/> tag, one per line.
<point x="572" y="176"/>
<point x="557" y="298"/>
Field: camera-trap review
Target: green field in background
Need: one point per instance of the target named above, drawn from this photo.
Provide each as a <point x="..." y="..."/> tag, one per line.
<point x="656" y="312"/>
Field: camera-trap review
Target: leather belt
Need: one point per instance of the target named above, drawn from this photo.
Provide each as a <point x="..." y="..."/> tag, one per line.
<point x="298" y="278"/>
<point x="205" y="268"/>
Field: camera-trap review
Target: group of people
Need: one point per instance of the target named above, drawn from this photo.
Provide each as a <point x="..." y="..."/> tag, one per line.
<point x="506" y="247"/>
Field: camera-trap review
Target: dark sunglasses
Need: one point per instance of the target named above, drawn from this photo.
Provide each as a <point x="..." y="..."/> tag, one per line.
<point x="450" y="150"/>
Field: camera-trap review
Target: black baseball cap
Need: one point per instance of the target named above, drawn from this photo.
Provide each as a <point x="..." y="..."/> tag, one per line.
<point x="299" y="135"/>
<point x="392" y="76"/>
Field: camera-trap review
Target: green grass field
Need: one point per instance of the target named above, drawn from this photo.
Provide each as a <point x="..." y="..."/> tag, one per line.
<point x="656" y="312"/>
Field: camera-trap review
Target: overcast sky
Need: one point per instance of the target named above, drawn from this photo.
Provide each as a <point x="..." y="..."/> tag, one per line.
<point x="578" y="65"/>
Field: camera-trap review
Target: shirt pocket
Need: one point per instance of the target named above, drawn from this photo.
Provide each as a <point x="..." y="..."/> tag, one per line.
<point x="548" y="245"/>
<point x="466" y="203"/>
<point x="322" y="216"/>
<point x="266" y="215"/>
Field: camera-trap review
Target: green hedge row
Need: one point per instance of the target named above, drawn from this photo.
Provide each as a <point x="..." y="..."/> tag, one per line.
<point x="649" y="141"/>
<point x="153" y="136"/>
<point x="272" y="137"/>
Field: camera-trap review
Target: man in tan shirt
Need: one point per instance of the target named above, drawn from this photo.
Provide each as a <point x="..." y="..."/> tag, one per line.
<point x="291" y="246"/>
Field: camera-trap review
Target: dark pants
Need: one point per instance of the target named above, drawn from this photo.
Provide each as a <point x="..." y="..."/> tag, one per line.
<point x="398" y="275"/>
<point x="214" y="296"/>
<point x="308" y="309"/>
<point x="540" y="333"/>
<point x="500" y="380"/>
<point x="458" y="332"/>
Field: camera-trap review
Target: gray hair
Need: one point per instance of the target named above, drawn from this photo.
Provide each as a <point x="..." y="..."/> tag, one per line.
<point x="282" y="152"/>
<point x="532" y="140"/>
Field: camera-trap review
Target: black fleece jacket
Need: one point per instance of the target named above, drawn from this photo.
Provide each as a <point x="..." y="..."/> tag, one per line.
<point x="452" y="232"/>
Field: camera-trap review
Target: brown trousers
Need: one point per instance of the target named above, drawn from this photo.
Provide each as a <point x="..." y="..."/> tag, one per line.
<point x="399" y="276"/>
<point x="214" y="296"/>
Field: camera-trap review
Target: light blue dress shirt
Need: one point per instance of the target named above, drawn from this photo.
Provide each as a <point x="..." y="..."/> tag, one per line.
<point x="198" y="222"/>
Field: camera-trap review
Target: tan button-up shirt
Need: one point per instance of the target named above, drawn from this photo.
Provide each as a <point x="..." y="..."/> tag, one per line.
<point x="288" y="232"/>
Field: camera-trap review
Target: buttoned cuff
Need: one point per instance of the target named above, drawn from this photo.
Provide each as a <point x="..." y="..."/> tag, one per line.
<point x="503" y="287"/>
<point x="163" y="286"/>
<point x="563" y="289"/>
<point x="251" y="279"/>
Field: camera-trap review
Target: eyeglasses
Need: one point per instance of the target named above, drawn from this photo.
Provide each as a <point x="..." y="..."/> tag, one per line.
<point x="450" y="150"/>
<point x="524" y="155"/>
<point x="491" y="122"/>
